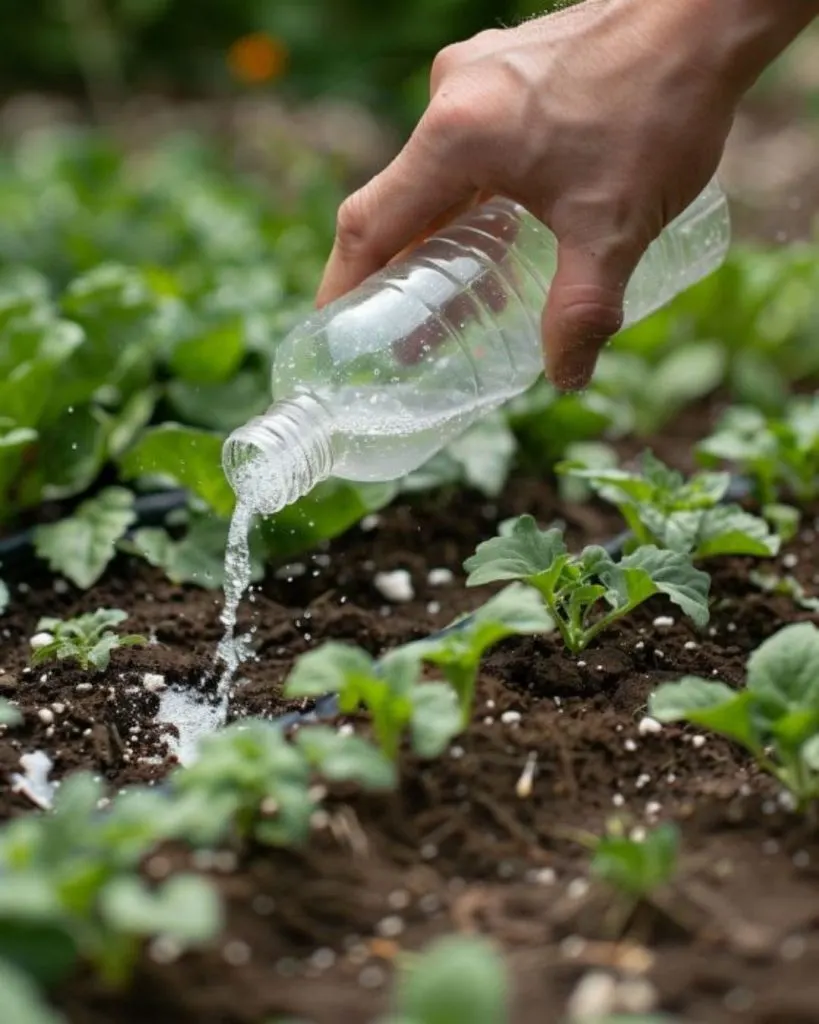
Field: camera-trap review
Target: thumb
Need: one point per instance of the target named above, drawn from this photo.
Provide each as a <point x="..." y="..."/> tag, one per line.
<point x="584" y="309"/>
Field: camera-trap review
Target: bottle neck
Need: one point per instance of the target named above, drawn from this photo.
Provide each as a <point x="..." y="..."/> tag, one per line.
<point x="278" y="457"/>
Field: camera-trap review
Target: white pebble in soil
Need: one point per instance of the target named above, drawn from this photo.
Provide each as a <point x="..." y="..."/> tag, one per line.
<point x="440" y="577"/>
<point x="390" y="927"/>
<point x="154" y="682"/>
<point x="649" y="726"/>
<point x="395" y="586"/>
<point x="372" y="976"/>
<point x="664" y="622"/>
<point x="40" y="640"/>
<point x="593" y="998"/>
<point x="510" y="717"/>
<point x="236" y="953"/>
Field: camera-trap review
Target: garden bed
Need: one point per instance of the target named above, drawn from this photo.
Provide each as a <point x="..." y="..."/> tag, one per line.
<point x="314" y="935"/>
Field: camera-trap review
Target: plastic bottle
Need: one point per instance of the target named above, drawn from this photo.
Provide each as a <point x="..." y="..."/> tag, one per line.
<point x="374" y="384"/>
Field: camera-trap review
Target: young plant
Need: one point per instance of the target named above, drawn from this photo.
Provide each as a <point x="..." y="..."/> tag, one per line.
<point x="776" y="715"/>
<point x="389" y="688"/>
<point x="70" y="887"/>
<point x="457" y="651"/>
<point x="661" y="507"/>
<point x="249" y="780"/>
<point x="788" y="586"/>
<point x="637" y="867"/>
<point x="584" y="594"/>
<point x="456" y="980"/>
<point x="780" y="455"/>
<point x="88" y="639"/>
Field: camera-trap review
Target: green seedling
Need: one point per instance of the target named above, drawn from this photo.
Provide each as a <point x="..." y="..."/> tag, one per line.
<point x="250" y="781"/>
<point x="4" y="597"/>
<point x="515" y="611"/>
<point x="637" y="867"/>
<point x="70" y="888"/>
<point x="780" y="455"/>
<point x="775" y="716"/>
<point x="454" y="981"/>
<point x="88" y="639"/>
<point x="586" y="593"/>
<point x="661" y="507"/>
<point x="788" y="586"/>
<point x="389" y="688"/>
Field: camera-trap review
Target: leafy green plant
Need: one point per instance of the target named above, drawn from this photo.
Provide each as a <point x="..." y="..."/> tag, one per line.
<point x="637" y="867"/>
<point x="70" y="888"/>
<point x="454" y="980"/>
<point x="584" y="594"/>
<point x="249" y="780"/>
<point x="83" y="544"/>
<point x="775" y="716"/>
<point x="779" y="454"/>
<point x="88" y="639"/>
<point x="388" y="687"/>
<point x="515" y="611"/>
<point x="661" y="507"/>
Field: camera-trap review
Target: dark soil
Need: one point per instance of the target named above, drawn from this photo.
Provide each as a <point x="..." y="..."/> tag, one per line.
<point x="315" y="934"/>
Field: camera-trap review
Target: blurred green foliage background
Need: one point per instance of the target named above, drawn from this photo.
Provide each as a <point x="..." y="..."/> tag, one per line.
<point x="377" y="53"/>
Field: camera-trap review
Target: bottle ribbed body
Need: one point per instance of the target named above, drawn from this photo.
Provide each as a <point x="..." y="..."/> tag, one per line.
<point x="421" y="350"/>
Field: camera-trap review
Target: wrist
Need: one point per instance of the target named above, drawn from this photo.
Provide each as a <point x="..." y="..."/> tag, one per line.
<point x="737" y="39"/>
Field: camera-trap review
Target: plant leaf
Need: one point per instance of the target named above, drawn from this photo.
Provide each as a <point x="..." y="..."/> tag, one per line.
<point x="713" y="705"/>
<point x="436" y="718"/>
<point x="185" y="456"/>
<point x="185" y="907"/>
<point x="523" y="553"/>
<point x="5" y="597"/>
<point x="637" y="867"/>
<point x="455" y="981"/>
<point x="21" y="1001"/>
<point x="81" y="546"/>
<point x="346" y="758"/>
<point x="783" y="672"/>
<point x="675" y="576"/>
<point x="9" y="715"/>
<point x="728" y="530"/>
<point x="327" y="669"/>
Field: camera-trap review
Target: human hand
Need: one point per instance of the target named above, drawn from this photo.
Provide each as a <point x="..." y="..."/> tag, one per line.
<point x="605" y="120"/>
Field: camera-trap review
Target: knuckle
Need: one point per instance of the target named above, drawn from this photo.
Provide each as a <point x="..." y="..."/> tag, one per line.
<point x="592" y="312"/>
<point x="352" y="223"/>
<point x="445" y="62"/>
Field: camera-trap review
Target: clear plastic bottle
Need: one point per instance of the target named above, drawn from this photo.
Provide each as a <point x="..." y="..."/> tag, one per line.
<point x="374" y="384"/>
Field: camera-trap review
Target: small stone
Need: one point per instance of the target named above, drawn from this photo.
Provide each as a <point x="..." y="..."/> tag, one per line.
<point x="577" y="888"/>
<point x="573" y="947"/>
<point x="41" y="640"/>
<point x="370" y="522"/>
<point x="636" y="995"/>
<point x="690" y="645"/>
<point x="618" y="800"/>
<point x="154" y="682"/>
<point x="58" y="708"/>
<point x="323" y="959"/>
<point x="663" y="622"/>
<point x="372" y="976"/>
<point x="698" y="742"/>
<point x="790" y="561"/>
<point x="642" y="780"/>
<point x="83" y="687"/>
<point x="653" y="808"/>
<point x="593" y="999"/>
<point x="399" y="899"/>
<point x="46" y="716"/>
<point x="433" y="607"/>
<point x="390" y="927"/>
<point x="395" y="586"/>
<point x="236" y="953"/>
<point x="510" y="717"/>
<point x="630" y="746"/>
<point x="164" y="950"/>
<point x="541" y="876"/>
<point x="440" y="577"/>
<point x="649" y="726"/>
